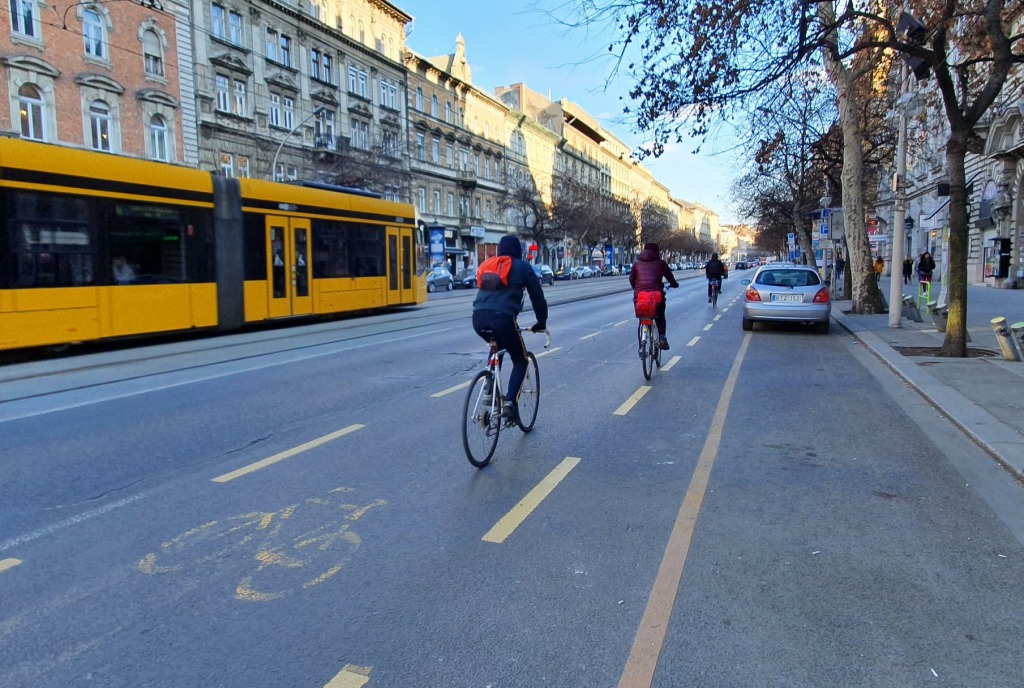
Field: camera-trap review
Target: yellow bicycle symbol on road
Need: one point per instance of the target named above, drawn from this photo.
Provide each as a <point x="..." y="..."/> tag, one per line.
<point x="297" y="547"/>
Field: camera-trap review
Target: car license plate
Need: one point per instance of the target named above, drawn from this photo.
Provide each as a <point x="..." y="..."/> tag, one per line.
<point x="787" y="297"/>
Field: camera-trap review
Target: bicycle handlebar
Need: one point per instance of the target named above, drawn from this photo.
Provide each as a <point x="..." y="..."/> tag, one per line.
<point x="547" y="334"/>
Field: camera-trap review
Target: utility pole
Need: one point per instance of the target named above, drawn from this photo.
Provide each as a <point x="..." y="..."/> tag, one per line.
<point x="900" y="214"/>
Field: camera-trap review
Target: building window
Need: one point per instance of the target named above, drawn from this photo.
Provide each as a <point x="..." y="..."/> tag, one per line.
<point x="421" y="199"/>
<point x="449" y="155"/>
<point x="448" y="112"/>
<point x="476" y="209"/>
<point x="32" y="108"/>
<point x="158" y="138"/>
<point x="92" y="32"/>
<point x="323" y="130"/>
<point x="272" y="42"/>
<point x="464" y="160"/>
<point x="388" y="94"/>
<point x="389" y="143"/>
<point x="437" y="202"/>
<point x="419" y="99"/>
<point x="99" y="126"/>
<point x="235" y="28"/>
<point x="420" y="145"/>
<point x="357" y="81"/>
<point x="240" y="99"/>
<point x="487" y="211"/>
<point x="314" y="63"/>
<point x="223" y="95"/>
<point x="360" y="135"/>
<point x="326" y="68"/>
<point x="435" y="151"/>
<point x="275" y="109"/>
<point x="286" y="50"/>
<point x="23" y="17"/>
<point x="433" y="106"/>
<point x="289" y="113"/>
<point x="476" y="164"/>
<point x="227" y="164"/>
<point x="153" y="53"/>
<point x="217" y="25"/>
<point x="243" y="166"/>
<point x="451" y="204"/>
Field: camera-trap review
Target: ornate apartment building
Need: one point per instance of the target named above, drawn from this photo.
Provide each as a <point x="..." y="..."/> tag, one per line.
<point x="114" y="72"/>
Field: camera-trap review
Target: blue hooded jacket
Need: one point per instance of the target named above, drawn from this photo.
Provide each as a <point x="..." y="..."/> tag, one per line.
<point x="510" y="300"/>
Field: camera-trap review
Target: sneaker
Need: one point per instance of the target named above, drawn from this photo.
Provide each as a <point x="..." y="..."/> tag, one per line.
<point x="663" y="343"/>
<point x="508" y="411"/>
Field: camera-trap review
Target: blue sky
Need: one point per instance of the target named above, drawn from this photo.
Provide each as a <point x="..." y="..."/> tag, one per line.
<point x="513" y="41"/>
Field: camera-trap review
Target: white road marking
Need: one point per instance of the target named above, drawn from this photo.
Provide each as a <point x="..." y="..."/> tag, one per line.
<point x="668" y="366"/>
<point x="693" y="341"/>
<point x="632" y="401"/>
<point x="270" y="460"/>
<point x="456" y="388"/>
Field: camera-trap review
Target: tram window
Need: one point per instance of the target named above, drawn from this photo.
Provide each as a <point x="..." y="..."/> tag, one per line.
<point x="156" y="240"/>
<point x="254" y="246"/>
<point x="330" y="249"/>
<point x="52" y="244"/>
<point x="367" y="251"/>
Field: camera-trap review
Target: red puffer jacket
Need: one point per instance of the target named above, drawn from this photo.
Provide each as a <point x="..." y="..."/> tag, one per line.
<point x="649" y="270"/>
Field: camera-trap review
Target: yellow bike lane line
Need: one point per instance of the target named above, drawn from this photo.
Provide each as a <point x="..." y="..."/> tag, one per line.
<point x="270" y="460"/>
<point x="650" y="636"/>
<point x="512" y="520"/>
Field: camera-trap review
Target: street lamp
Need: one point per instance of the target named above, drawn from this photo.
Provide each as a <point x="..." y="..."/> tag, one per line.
<point x="316" y="113"/>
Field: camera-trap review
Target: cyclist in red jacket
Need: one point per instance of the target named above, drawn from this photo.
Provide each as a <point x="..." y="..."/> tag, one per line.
<point x="647" y="274"/>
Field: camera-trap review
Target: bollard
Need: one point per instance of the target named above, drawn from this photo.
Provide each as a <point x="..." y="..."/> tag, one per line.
<point x="1017" y="330"/>
<point x="910" y="309"/>
<point x="1006" y="342"/>
<point x="938" y="315"/>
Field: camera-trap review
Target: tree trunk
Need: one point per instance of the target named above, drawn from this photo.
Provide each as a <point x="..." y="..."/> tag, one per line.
<point x="803" y="236"/>
<point x="867" y="297"/>
<point x="955" y="342"/>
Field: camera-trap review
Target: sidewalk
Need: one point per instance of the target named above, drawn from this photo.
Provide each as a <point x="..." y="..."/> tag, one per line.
<point x="983" y="395"/>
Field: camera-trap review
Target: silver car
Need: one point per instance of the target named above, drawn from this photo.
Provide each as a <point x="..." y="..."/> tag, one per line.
<point x="785" y="292"/>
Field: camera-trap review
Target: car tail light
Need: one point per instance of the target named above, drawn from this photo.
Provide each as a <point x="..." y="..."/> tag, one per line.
<point x="822" y="296"/>
<point x="752" y="294"/>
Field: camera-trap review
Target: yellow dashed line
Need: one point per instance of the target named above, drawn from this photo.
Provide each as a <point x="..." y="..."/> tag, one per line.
<point x="668" y="366"/>
<point x="253" y="467"/>
<point x="632" y="401"/>
<point x="510" y="521"/>
<point x="7" y="564"/>
<point x="708" y="326"/>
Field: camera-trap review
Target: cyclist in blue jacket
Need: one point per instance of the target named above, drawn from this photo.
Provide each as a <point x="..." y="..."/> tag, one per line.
<point x="495" y="309"/>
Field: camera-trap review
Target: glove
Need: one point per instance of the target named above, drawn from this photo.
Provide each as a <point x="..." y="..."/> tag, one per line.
<point x="539" y="327"/>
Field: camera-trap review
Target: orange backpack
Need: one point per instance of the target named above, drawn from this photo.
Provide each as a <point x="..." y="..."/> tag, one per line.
<point x="492" y="274"/>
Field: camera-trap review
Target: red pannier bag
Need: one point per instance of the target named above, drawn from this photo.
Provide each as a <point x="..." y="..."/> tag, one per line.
<point x="646" y="303"/>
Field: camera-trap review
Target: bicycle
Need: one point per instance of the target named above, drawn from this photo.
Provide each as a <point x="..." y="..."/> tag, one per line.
<point x="716" y="288"/>
<point x="481" y="412"/>
<point x="648" y="340"/>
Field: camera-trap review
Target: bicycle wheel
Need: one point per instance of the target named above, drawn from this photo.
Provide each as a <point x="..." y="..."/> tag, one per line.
<point x="657" y="352"/>
<point x="647" y="345"/>
<point x="714" y="297"/>
<point x="481" y="423"/>
<point x="529" y="395"/>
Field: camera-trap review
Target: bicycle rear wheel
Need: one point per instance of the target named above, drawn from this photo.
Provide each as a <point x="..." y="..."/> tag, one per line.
<point x="657" y="351"/>
<point x="647" y="345"/>
<point x="529" y="395"/>
<point x="481" y="420"/>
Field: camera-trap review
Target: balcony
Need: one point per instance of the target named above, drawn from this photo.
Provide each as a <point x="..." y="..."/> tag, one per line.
<point x="467" y="179"/>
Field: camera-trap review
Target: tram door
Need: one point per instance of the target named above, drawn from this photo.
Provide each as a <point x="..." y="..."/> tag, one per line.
<point x="288" y="267"/>
<point x="400" y="265"/>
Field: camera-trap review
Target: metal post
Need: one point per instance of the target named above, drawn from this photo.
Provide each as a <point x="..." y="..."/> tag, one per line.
<point x="1005" y="339"/>
<point x="899" y="219"/>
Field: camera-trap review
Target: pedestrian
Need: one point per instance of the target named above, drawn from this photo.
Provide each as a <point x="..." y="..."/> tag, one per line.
<point x="908" y="269"/>
<point x="879" y="267"/>
<point x="925" y="267"/>
<point x="840" y="266"/>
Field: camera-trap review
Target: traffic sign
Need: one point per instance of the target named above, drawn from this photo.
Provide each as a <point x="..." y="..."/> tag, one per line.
<point x="826" y="212"/>
<point x="823" y="230"/>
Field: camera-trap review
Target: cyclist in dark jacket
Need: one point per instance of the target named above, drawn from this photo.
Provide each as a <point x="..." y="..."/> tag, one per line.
<point x="495" y="310"/>
<point x="646" y="275"/>
<point x="714" y="270"/>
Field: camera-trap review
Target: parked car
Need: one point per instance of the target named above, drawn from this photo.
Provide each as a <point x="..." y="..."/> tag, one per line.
<point x="787" y="293"/>
<point x="566" y="274"/>
<point x="545" y="274"/>
<point x="465" y="278"/>
<point x="440" y="278"/>
<point x="609" y="270"/>
<point x="584" y="271"/>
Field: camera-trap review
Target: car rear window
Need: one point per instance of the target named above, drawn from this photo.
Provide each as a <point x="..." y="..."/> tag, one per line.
<point x="788" y="278"/>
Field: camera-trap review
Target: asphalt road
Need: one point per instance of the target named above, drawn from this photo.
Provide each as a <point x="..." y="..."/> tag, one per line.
<point x="293" y="508"/>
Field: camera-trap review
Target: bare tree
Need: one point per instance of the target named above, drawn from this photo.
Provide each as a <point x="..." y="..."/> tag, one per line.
<point x="378" y="168"/>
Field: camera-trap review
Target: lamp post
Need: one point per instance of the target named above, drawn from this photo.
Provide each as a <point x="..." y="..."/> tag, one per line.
<point x="316" y="113"/>
<point x="899" y="216"/>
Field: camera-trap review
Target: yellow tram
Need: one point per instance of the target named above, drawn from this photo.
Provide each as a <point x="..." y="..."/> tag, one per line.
<point x="96" y="246"/>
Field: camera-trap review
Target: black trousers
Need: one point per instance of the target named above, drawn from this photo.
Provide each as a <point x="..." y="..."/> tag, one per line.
<point x="506" y="333"/>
